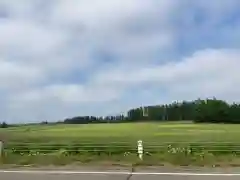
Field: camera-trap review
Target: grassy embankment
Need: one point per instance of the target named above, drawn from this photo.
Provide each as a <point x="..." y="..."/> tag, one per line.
<point x="181" y="144"/>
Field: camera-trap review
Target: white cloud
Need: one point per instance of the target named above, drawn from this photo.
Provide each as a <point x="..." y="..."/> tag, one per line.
<point x="69" y="93"/>
<point x="17" y="9"/>
<point x="59" y="101"/>
<point x="29" y="39"/>
<point x="52" y="62"/>
<point x="94" y="13"/>
<point x="14" y="76"/>
<point x="206" y="73"/>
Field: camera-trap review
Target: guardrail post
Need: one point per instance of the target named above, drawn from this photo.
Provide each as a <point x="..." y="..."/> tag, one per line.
<point x="140" y="149"/>
<point x="1" y="149"/>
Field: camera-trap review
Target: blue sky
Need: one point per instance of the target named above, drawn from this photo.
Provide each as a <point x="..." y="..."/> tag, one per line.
<point x="63" y="58"/>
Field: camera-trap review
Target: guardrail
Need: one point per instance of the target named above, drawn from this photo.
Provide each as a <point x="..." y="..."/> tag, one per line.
<point x="59" y="152"/>
<point x="226" y="147"/>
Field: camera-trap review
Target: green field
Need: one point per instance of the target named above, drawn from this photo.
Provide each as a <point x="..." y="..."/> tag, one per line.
<point x="176" y="143"/>
<point x="129" y="132"/>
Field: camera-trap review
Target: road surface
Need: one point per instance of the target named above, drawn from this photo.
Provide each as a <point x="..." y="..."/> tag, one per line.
<point x="118" y="175"/>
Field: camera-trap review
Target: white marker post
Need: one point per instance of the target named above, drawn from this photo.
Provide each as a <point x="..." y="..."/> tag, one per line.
<point x="140" y="149"/>
<point x="1" y="149"/>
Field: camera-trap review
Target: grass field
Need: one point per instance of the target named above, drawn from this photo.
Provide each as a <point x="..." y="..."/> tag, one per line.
<point x="129" y="132"/>
<point x="177" y="143"/>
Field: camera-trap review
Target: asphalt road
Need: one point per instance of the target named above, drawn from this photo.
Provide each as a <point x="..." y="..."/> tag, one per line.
<point x="13" y="176"/>
<point x="61" y="177"/>
<point x="117" y="175"/>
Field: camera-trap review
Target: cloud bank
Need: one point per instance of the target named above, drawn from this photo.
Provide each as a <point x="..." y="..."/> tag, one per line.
<point x="80" y="57"/>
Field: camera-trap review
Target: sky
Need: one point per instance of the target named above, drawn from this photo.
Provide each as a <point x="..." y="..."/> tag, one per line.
<point x="65" y="58"/>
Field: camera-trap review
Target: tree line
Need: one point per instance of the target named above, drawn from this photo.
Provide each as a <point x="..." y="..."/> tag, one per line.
<point x="94" y="119"/>
<point x="199" y="111"/>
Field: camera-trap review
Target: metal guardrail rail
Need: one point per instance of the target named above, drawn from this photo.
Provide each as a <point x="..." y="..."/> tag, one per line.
<point x="115" y="147"/>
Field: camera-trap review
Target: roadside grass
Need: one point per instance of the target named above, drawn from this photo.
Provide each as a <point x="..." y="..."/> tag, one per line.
<point x="62" y="158"/>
